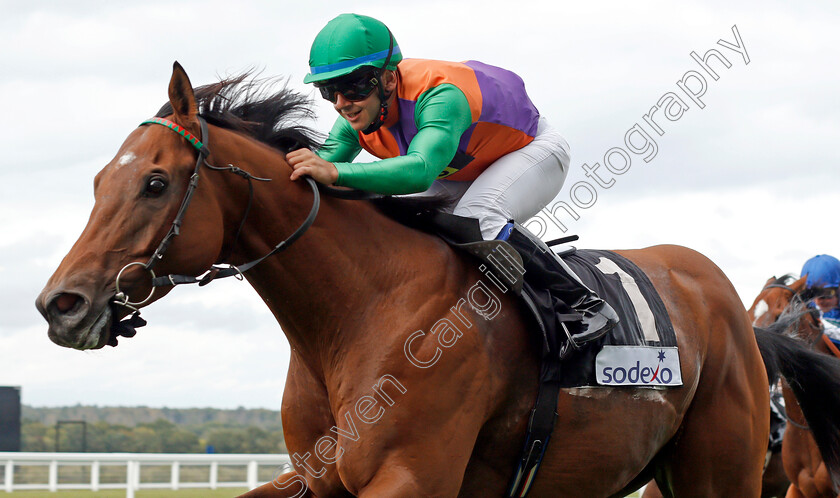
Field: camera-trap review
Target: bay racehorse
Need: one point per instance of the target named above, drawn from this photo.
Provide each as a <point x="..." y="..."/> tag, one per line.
<point x="409" y="375"/>
<point x="801" y="456"/>
<point x="770" y="303"/>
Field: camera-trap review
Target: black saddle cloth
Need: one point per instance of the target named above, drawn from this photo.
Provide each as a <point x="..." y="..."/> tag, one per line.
<point x="614" y="278"/>
<point x="644" y="319"/>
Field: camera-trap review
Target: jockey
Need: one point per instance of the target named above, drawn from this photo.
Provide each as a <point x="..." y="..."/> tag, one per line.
<point x="823" y="273"/>
<point x="465" y="130"/>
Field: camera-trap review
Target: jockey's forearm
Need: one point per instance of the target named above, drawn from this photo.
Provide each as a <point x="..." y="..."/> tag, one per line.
<point x="398" y="175"/>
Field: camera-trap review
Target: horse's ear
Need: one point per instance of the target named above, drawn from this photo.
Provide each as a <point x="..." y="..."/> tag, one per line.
<point x="182" y="98"/>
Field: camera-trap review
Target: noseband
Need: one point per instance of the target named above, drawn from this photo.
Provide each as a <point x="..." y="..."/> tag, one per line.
<point x="215" y="271"/>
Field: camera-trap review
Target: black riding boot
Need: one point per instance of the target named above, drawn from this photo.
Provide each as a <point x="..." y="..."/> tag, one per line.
<point x="549" y="275"/>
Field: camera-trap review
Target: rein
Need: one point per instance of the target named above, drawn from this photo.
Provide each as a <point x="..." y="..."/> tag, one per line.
<point x="215" y="271"/>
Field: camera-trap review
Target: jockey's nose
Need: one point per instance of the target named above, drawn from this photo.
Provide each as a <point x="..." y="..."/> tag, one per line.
<point x="340" y="101"/>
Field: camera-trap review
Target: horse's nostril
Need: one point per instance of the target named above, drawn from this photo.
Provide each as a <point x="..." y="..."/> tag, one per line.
<point x="65" y="302"/>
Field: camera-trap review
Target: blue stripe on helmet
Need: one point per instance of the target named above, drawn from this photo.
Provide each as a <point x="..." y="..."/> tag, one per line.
<point x="353" y="62"/>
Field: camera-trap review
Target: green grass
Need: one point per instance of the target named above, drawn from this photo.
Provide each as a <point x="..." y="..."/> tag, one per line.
<point x="120" y="493"/>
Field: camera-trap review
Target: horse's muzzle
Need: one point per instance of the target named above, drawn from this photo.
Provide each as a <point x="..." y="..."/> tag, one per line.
<point x="74" y="322"/>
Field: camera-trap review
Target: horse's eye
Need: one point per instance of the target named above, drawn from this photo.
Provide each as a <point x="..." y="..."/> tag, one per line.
<point x="155" y="186"/>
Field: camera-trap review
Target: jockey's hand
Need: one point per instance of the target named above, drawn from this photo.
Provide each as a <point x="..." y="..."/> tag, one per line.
<point x="306" y="162"/>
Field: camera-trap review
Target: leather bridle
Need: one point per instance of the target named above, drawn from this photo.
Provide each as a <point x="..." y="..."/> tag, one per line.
<point x="215" y="271"/>
<point x="780" y="286"/>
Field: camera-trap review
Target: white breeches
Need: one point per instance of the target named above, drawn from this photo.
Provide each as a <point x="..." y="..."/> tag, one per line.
<point x="515" y="187"/>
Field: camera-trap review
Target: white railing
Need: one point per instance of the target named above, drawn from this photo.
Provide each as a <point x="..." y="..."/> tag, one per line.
<point x="132" y="463"/>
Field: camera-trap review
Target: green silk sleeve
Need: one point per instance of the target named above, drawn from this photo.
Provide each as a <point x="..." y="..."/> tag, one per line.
<point x="342" y="145"/>
<point x="442" y="115"/>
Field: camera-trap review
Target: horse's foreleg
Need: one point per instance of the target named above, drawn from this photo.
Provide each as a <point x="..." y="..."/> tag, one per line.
<point x="289" y="485"/>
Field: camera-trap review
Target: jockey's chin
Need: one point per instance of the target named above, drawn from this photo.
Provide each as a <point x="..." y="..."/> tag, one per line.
<point x="359" y="114"/>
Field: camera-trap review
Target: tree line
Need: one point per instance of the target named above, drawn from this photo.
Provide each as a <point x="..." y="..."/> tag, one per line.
<point x="134" y="415"/>
<point x="201" y="430"/>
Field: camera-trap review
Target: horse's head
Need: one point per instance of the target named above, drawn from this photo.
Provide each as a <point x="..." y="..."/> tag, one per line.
<point x="138" y="196"/>
<point x="781" y="302"/>
<point x="774" y="299"/>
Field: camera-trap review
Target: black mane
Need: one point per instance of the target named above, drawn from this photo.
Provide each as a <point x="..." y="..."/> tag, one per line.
<point x="256" y="108"/>
<point x="785" y="279"/>
<point x="275" y="117"/>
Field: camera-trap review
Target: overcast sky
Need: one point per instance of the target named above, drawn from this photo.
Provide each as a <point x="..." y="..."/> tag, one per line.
<point x="747" y="174"/>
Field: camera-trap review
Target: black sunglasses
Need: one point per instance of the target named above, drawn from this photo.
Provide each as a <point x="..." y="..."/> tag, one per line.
<point x="353" y="87"/>
<point x="819" y="293"/>
<point x="827" y="293"/>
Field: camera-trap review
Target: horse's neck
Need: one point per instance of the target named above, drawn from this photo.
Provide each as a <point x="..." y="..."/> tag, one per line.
<point x="351" y="258"/>
<point x="345" y="265"/>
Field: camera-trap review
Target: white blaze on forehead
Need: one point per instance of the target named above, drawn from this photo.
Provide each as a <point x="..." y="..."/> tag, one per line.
<point x="126" y="158"/>
<point x="761" y="308"/>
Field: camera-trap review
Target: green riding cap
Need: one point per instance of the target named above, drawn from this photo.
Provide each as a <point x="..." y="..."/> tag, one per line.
<point x="347" y="43"/>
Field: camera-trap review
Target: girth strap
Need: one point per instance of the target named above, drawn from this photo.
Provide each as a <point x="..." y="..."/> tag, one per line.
<point x="540" y="427"/>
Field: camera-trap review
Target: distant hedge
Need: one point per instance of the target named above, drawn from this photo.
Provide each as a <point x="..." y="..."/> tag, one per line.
<point x="226" y="431"/>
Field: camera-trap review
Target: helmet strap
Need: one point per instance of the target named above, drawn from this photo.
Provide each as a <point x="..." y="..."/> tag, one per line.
<point x="383" y="97"/>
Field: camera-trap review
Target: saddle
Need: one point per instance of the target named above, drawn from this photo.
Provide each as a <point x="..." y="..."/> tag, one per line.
<point x="640" y="351"/>
<point x="645" y="329"/>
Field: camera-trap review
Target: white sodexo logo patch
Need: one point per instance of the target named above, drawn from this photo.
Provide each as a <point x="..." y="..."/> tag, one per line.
<point x="647" y="366"/>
